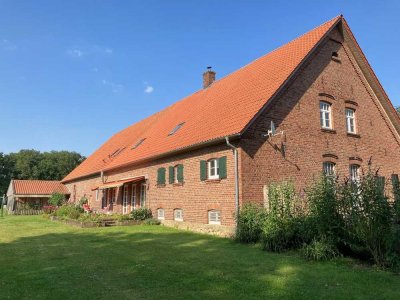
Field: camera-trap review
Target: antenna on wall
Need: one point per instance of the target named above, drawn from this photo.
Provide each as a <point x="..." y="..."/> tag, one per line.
<point x="272" y="131"/>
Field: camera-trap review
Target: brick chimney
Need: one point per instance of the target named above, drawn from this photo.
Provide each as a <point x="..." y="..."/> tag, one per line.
<point x="208" y="77"/>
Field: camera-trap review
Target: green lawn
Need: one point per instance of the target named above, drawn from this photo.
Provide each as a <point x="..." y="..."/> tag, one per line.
<point x="40" y="259"/>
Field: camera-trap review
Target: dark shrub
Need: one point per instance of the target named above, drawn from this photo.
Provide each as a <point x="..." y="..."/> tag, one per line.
<point x="319" y="250"/>
<point x="324" y="209"/>
<point x="141" y="214"/>
<point x="249" y="223"/>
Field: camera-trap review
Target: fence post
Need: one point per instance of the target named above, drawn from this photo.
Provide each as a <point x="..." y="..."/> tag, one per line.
<point x="1" y="205"/>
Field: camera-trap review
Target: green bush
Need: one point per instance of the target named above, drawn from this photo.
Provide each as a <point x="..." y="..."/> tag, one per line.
<point x="57" y="199"/>
<point x="69" y="211"/>
<point x="249" y="223"/>
<point x="319" y="250"/>
<point x="323" y="209"/>
<point x="83" y="201"/>
<point x="141" y="214"/>
<point x="151" y="222"/>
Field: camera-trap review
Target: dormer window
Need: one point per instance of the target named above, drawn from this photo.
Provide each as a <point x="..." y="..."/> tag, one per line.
<point x="138" y="143"/>
<point x="177" y="127"/>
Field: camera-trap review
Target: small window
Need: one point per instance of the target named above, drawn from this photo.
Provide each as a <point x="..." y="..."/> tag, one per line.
<point x="350" y="120"/>
<point x="355" y="173"/>
<point x="329" y="168"/>
<point x="178" y="215"/>
<point x="213" y="169"/>
<point x="214" y="217"/>
<point x="176" y="170"/>
<point x="138" y="143"/>
<point x="335" y="54"/>
<point x="160" y="214"/>
<point x="177" y="127"/>
<point x="325" y="115"/>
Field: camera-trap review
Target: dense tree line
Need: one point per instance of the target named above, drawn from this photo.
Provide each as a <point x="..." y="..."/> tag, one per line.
<point x="32" y="164"/>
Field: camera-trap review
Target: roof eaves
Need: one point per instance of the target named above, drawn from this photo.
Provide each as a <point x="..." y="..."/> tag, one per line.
<point x="218" y="140"/>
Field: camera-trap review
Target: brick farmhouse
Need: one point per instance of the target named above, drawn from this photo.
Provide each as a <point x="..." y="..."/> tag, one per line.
<point x="197" y="161"/>
<point x="23" y="195"/>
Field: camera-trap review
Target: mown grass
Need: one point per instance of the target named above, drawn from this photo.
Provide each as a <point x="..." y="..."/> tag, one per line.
<point x="40" y="259"/>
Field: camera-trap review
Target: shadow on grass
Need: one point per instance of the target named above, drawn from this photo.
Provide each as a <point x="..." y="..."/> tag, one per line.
<point x="156" y="262"/>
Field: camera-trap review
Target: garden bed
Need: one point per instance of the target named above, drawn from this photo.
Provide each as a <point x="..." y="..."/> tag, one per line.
<point x="99" y="223"/>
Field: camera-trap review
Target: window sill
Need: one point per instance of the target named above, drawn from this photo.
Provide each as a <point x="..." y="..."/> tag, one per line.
<point x="216" y="180"/>
<point x="327" y="130"/>
<point x="177" y="184"/>
<point x="178" y="220"/>
<point x="161" y="185"/>
<point x="354" y="135"/>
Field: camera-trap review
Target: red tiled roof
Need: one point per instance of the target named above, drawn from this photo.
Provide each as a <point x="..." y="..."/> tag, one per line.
<point x="38" y="187"/>
<point x="223" y="109"/>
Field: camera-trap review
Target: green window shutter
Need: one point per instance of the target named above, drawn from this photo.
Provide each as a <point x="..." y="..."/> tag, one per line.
<point x="222" y="167"/>
<point x="203" y="170"/>
<point x="381" y="183"/>
<point x="396" y="187"/>
<point x="180" y="173"/>
<point x="171" y="174"/>
<point x="161" y="176"/>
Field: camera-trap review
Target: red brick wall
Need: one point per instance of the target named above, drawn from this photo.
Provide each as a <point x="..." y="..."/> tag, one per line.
<point x="296" y="113"/>
<point x="195" y="197"/>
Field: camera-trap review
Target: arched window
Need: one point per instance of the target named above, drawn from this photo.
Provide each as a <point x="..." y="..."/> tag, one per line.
<point x="351" y="120"/>
<point x="160" y="214"/>
<point x="355" y="172"/>
<point x="329" y="168"/>
<point x="325" y="115"/>
<point x="214" y="217"/>
<point x="178" y="214"/>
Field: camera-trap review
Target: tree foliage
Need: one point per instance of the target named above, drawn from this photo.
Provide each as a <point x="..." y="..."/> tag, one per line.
<point x="32" y="164"/>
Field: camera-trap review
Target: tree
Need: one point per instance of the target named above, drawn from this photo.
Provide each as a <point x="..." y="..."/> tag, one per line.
<point x="32" y="164"/>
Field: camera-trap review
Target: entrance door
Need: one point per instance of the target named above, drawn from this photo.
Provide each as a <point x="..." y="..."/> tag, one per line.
<point x="125" y="200"/>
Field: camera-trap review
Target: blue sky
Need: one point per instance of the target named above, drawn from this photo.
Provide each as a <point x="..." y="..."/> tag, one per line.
<point x="72" y="73"/>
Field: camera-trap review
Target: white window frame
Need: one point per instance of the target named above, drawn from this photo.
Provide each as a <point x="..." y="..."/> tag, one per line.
<point x="328" y="166"/>
<point x="161" y="214"/>
<point x="176" y="174"/>
<point x="180" y="216"/>
<point x="325" y="112"/>
<point x="354" y="172"/>
<point x="97" y="195"/>
<point x="216" y="219"/>
<point x="351" y="120"/>
<point x="133" y="197"/>
<point x="125" y="200"/>
<point x="213" y="171"/>
<point x="143" y="195"/>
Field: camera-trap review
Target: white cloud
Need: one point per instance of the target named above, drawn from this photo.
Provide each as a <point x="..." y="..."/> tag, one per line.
<point x="149" y="89"/>
<point x="115" y="87"/>
<point x="75" y="52"/>
<point x="7" y="45"/>
<point x="79" y="51"/>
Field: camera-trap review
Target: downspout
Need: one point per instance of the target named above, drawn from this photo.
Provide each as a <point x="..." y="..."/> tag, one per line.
<point x="235" y="156"/>
<point x="102" y="176"/>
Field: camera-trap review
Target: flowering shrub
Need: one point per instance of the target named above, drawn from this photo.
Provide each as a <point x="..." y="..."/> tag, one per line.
<point x="48" y="209"/>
